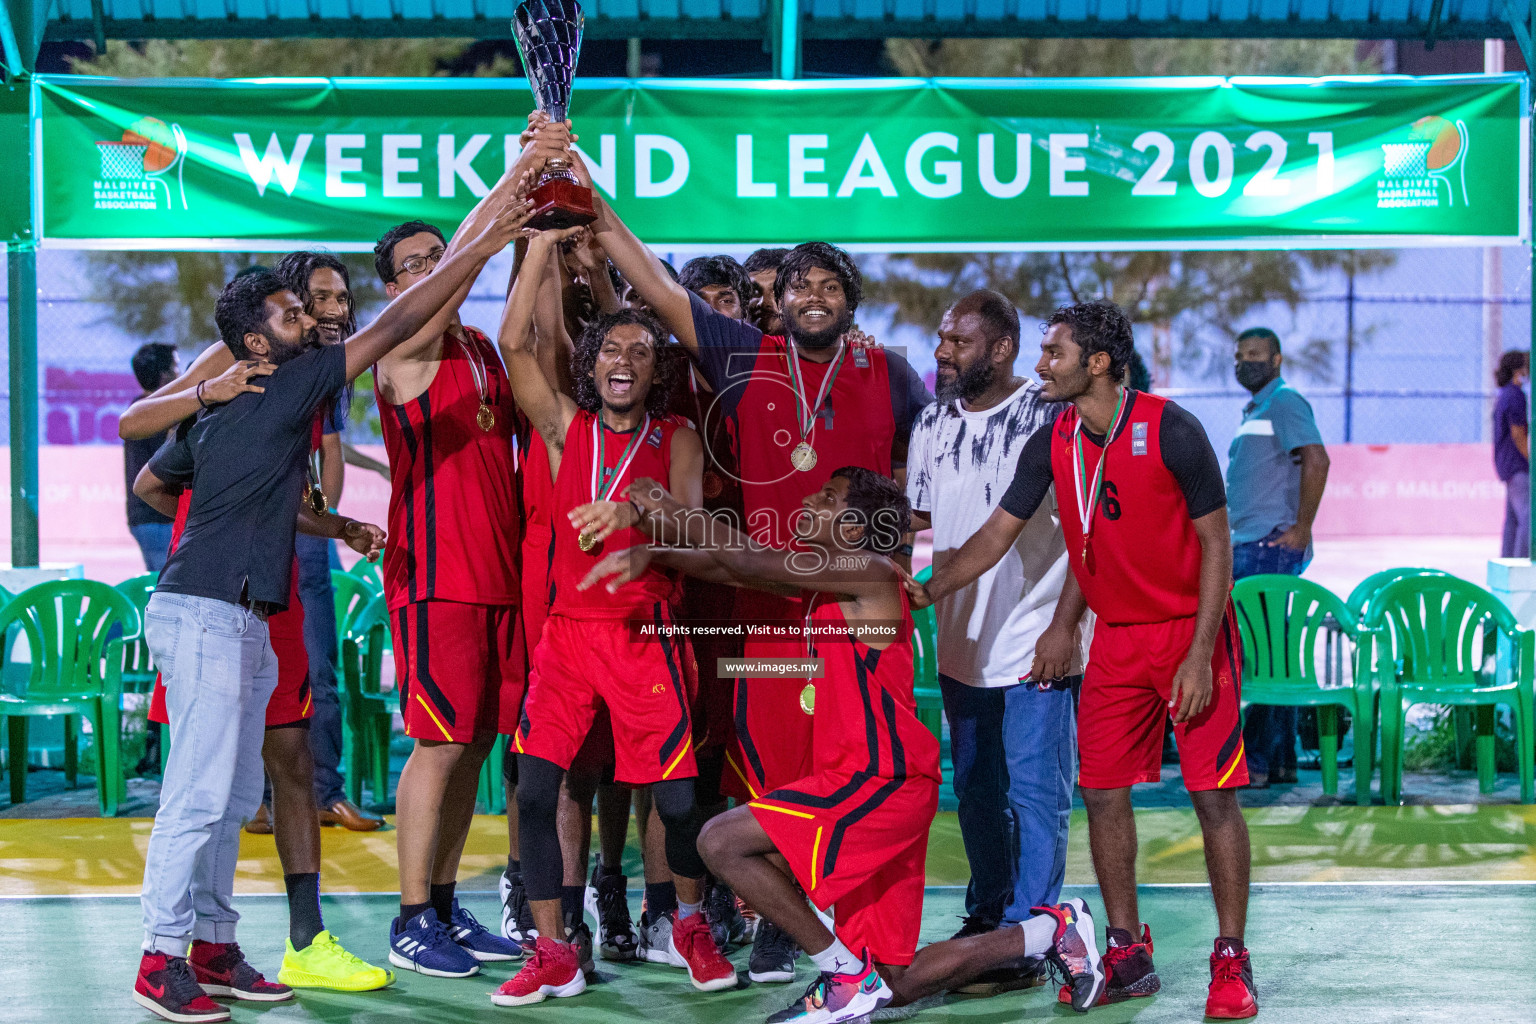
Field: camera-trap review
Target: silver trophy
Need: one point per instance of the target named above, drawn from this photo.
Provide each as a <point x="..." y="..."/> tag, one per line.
<point x="548" y="34"/>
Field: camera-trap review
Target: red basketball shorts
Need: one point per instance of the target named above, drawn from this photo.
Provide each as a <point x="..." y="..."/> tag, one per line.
<point x="861" y="847"/>
<point x="1125" y="703"/>
<point x="291" y="702"/>
<point x="455" y="665"/>
<point x="708" y="604"/>
<point x="646" y="684"/>
<point x="772" y="724"/>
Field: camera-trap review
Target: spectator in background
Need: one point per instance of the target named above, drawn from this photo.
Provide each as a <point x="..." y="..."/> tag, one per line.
<point x="1276" y="470"/>
<point x="1512" y="452"/>
<point x="154" y="366"/>
<point x="763" y="310"/>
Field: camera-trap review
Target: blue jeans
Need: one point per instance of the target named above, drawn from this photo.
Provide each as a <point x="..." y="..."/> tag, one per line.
<point x="317" y="557"/>
<point x="154" y="543"/>
<point x="219" y="671"/>
<point x="1014" y="751"/>
<point x="1269" y="733"/>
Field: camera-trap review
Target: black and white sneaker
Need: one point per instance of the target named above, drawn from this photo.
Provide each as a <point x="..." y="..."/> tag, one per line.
<point x="726" y="925"/>
<point x="656" y="941"/>
<point x="1074" y="953"/>
<point x="580" y="937"/>
<point x="607" y="900"/>
<point x="516" y="916"/>
<point x="773" y="954"/>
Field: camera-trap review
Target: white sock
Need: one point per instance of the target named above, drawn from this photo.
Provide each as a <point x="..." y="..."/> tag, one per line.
<point x="687" y="909"/>
<point x="837" y="959"/>
<point x="1039" y="934"/>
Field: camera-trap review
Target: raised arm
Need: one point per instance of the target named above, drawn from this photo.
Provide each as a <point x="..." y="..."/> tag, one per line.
<point x="639" y="265"/>
<point x="221" y="377"/>
<point x="552" y="346"/>
<point x="414" y="307"/>
<point x="547" y="409"/>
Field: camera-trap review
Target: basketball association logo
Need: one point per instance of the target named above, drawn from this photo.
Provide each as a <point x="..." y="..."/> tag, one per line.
<point x="137" y="170"/>
<point x="1426" y="167"/>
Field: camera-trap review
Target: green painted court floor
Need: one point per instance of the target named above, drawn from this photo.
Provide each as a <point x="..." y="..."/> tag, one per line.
<point x="1321" y="953"/>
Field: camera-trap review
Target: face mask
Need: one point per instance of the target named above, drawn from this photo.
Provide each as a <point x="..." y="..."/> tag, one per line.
<point x="1253" y="374"/>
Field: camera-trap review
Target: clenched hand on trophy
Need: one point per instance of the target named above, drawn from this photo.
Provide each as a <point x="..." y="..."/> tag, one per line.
<point x="548" y="34"/>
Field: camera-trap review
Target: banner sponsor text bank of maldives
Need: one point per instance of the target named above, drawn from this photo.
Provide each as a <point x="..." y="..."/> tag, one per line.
<point x="885" y="164"/>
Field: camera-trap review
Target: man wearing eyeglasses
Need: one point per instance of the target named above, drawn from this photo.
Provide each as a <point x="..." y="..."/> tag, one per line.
<point x="450" y="582"/>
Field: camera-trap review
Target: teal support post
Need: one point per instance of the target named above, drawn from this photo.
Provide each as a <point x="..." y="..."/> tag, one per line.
<point x="786" y="50"/>
<point x="21" y="273"/>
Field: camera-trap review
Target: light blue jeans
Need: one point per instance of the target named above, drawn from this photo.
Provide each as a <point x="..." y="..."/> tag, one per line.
<point x="219" y="671"/>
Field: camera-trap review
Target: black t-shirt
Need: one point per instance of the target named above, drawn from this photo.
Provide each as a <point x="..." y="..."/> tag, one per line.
<point x="1185" y="449"/>
<point x="136" y="453"/>
<point x="245" y="462"/>
<point x="728" y="350"/>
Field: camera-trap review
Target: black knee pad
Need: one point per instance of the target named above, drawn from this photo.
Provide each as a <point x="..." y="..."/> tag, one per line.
<point x="674" y="805"/>
<point x="538" y="797"/>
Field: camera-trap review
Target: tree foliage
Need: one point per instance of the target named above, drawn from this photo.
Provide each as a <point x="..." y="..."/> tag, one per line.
<point x="1193" y="301"/>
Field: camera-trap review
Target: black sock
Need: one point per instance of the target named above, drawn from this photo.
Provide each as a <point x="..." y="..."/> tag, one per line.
<point x="571" y="897"/>
<point x="442" y="901"/>
<point x="604" y="871"/>
<point x="303" y="908"/>
<point x="660" y="898"/>
<point x="514" y="866"/>
<point x="411" y="911"/>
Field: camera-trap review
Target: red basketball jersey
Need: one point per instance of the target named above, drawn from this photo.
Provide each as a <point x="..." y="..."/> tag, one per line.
<point x="1144" y="558"/>
<point x="866" y="719"/>
<point x="453" y="513"/>
<point x="573" y="487"/>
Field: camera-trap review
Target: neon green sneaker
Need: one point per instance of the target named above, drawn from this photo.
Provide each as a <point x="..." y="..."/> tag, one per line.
<point x="325" y="964"/>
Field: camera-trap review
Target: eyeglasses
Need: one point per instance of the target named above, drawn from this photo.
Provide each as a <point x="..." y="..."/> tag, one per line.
<point x="418" y="264"/>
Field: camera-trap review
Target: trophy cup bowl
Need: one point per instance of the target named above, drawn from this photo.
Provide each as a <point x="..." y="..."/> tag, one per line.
<point x="548" y="34"/>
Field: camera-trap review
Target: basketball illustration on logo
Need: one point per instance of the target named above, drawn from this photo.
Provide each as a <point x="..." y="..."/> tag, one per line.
<point x="1433" y="150"/>
<point x="146" y="154"/>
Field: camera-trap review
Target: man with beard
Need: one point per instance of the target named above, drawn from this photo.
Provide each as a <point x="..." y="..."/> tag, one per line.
<point x="1152" y="558"/>
<point x="1011" y="736"/>
<point x="206" y="624"/>
<point x="798" y="406"/>
<point x="763" y="309"/>
<point x="598" y="651"/>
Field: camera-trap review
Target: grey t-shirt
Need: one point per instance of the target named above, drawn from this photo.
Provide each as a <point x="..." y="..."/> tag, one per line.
<point x="1264" y="462"/>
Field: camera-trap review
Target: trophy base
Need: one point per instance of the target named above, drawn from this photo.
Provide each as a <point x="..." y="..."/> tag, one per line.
<point x="560" y="203"/>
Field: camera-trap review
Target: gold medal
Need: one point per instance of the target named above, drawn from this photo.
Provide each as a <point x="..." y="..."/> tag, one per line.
<point x="808" y="699"/>
<point x="803" y="457"/>
<point x="586" y="541"/>
<point x="316" y="500"/>
<point x="485" y="418"/>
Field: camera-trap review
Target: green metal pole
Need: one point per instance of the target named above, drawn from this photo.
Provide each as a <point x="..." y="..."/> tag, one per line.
<point x="786" y="63"/>
<point x="1530" y="75"/>
<point x="21" y="273"/>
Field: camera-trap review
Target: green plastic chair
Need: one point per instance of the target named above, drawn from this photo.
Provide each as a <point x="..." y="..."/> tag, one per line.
<point x="76" y="631"/>
<point x="367" y="711"/>
<point x="352" y="595"/>
<point x="1359" y="599"/>
<point x="1436" y="636"/>
<point x="366" y="570"/>
<point x="138" y="664"/>
<point x="925" y="665"/>
<point x="1294" y="633"/>
<point x="492" y="793"/>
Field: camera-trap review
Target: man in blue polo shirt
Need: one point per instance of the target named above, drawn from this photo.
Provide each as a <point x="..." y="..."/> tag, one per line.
<point x="1276" y="470"/>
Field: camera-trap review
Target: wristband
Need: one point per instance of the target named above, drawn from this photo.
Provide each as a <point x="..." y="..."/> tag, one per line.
<point x="199" y="394"/>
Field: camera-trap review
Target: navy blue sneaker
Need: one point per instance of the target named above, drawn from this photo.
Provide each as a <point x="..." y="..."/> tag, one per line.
<point x="480" y="942"/>
<point x="423" y="945"/>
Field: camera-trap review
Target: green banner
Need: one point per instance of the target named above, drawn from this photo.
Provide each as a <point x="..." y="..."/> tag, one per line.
<point x="888" y="164"/>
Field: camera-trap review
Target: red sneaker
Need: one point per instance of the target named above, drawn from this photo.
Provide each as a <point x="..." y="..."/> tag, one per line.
<point x="708" y="968"/>
<point x="166" y="987"/>
<point x="553" y="970"/>
<point x="1129" y="963"/>
<point x="1232" y="996"/>
<point x="222" y="970"/>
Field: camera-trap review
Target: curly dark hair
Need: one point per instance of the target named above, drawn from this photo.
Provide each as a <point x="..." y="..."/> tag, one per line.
<point x="669" y="367"/>
<point x="824" y="256"/>
<point x="702" y="271"/>
<point x="879" y="504"/>
<point x="296" y="268"/>
<point x="1099" y="326"/>
<point x="384" y="250"/>
<point x="242" y="309"/>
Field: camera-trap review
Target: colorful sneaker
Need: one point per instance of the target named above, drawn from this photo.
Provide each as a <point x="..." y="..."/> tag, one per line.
<point x="1129" y="966"/>
<point x="167" y="988"/>
<point x="222" y="970"/>
<point x="478" y="940"/>
<point x="553" y="970"/>
<point x="325" y="964"/>
<point x="579" y="935"/>
<point x="773" y="954"/>
<point x="423" y="945"/>
<point x="692" y="943"/>
<point x="1232" y="995"/>
<point x="1075" y="952"/>
<point x="516" y="915"/>
<point x="607" y="900"/>
<point x="656" y="940"/>
<point x="838" y="997"/>
<point x="726" y="924"/>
